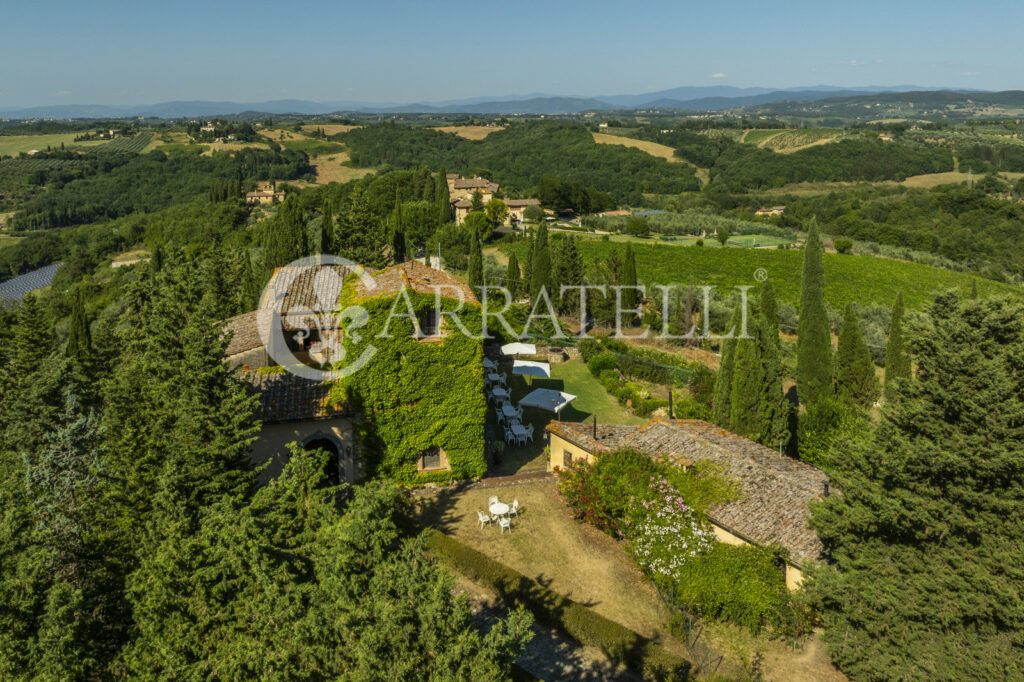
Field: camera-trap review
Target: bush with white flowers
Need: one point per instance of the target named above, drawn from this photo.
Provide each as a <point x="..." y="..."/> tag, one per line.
<point x="665" y="532"/>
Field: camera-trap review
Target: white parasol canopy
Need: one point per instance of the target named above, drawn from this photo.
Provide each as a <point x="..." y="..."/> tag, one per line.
<point x="547" y="399"/>
<point x="528" y="368"/>
<point x="519" y="349"/>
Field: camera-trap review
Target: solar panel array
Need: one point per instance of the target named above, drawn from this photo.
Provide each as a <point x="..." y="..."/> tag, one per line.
<point x="16" y="288"/>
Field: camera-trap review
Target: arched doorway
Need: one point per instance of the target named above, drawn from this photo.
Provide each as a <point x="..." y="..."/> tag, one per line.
<point x="333" y="473"/>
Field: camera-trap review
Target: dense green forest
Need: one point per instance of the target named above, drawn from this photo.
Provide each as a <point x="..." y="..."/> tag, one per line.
<point x="114" y="185"/>
<point x="519" y="156"/>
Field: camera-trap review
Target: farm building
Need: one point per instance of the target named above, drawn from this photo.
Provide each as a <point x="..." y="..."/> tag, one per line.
<point x="776" y="489"/>
<point x="770" y="211"/>
<point x="437" y="376"/>
<point x="265" y="194"/>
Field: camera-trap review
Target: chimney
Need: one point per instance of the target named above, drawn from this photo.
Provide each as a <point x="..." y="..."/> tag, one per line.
<point x="595" y="427"/>
<point x="826" y="488"/>
<point x="670" y="412"/>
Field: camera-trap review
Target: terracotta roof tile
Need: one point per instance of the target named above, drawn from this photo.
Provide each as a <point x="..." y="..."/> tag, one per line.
<point x="776" y="489"/>
<point x="287" y="397"/>
<point x="416" y="277"/>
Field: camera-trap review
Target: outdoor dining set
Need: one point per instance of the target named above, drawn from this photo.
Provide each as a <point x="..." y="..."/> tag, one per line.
<point x="500" y="513"/>
<point x="510" y="416"/>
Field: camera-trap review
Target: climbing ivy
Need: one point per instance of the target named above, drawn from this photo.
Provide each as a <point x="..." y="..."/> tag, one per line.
<point x="416" y="394"/>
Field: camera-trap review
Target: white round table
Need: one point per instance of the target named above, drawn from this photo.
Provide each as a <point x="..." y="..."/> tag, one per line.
<point x="498" y="509"/>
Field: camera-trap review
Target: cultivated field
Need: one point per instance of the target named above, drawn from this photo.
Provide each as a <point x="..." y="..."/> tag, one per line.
<point x="790" y="140"/>
<point x="652" y="148"/>
<point x="328" y="128"/>
<point x="11" y="145"/>
<point x="470" y="132"/>
<point x="332" y="169"/>
<point x="935" y="179"/>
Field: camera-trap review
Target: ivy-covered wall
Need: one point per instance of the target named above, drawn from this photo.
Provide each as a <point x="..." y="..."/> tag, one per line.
<point x="417" y="394"/>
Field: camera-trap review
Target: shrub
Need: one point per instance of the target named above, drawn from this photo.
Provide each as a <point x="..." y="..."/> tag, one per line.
<point x="843" y="245"/>
<point x="601" y="363"/>
<point x="665" y="532"/>
<point x="702" y="384"/>
<point x="601" y="494"/>
<point x="739" y="583"/>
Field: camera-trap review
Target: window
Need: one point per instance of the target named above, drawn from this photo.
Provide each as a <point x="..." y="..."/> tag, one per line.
<point x="428" y="323"/>
<point x="432" y="459"/>
<point x="566" y="458"/>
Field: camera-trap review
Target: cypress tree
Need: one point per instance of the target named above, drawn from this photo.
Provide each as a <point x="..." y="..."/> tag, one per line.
<point x="513" y="278"/>
<point x="774" y="407"/>
<point x="398" y="246"/>
<point x="745" y="396"/>
<point x="327" y="228"/>
<point x="855" y="372"/>
<point x="540" y="270"/>
<point x="814" y="343"/>
<point x="79" y="338"/>
<point x="476" y="262"/>
<point x="567" y="271"/>
<point x="444" y="202"/>
<point x="721" y="407"/>
<point x="528" y="264"/>
<point x="477" y="201"/>
<point x="932" y="497"/>
<point x="897" y="362"/>
<point x="629" y="296"/>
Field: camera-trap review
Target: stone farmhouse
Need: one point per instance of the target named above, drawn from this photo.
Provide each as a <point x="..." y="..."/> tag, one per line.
<point x="305" y="411"/>
<point x="772" y="507"/>
<point x="265" y="194"/>
<point x="461" y="191"/>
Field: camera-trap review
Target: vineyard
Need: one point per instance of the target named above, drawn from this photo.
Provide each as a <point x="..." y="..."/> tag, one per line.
<point x="848" y="278"/>
<point x="130" y="145"/>
<point x="36" y="164"/>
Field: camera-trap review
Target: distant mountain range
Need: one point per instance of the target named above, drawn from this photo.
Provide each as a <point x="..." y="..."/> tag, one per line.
<point x="712" y="98"/>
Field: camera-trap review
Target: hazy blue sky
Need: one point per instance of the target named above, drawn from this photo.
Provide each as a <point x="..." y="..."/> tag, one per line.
<point x="137" y="52"/>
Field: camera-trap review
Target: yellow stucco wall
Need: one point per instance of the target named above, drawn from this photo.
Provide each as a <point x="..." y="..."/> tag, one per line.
<point x="559" y="446"/>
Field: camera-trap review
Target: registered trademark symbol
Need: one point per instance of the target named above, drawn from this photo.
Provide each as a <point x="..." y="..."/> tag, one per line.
<point x="760" y="274"/>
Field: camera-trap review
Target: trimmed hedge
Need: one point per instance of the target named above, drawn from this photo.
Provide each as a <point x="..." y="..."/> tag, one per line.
<point x="619" y="643"/>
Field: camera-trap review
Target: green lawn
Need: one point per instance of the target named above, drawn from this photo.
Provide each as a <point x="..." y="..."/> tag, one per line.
<point x="591" y="399"/>
<point x="11" y="145"/>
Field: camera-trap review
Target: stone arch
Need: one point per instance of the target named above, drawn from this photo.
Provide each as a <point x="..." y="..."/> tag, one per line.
<point x="339" y="465"/>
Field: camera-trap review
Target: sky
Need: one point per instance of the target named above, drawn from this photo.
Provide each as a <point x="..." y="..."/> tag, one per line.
<point x="400" y="51"/>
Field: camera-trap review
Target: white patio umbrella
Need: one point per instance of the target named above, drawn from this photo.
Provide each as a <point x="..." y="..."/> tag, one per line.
<point x="529" y="368"/>
<point x="519" y="349"/>
<point x="547" y="399"/>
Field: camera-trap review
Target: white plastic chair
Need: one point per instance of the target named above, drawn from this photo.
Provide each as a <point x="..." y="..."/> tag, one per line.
<point x="484" y="518"/>
<point x="492" y="500"/>
<point x="520" y="438"/>
<point x="504" y="523"/>
<point x="529" y="432"/>
<point x="509" y="436"/>
<point x="515" y="508"/>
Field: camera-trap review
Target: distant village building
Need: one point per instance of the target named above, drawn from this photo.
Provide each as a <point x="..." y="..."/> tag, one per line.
<point x="773" y="506"/>
<point x="461" y="191"/>
<point x="265" y="194"/>
<point x="770" y="211"/>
